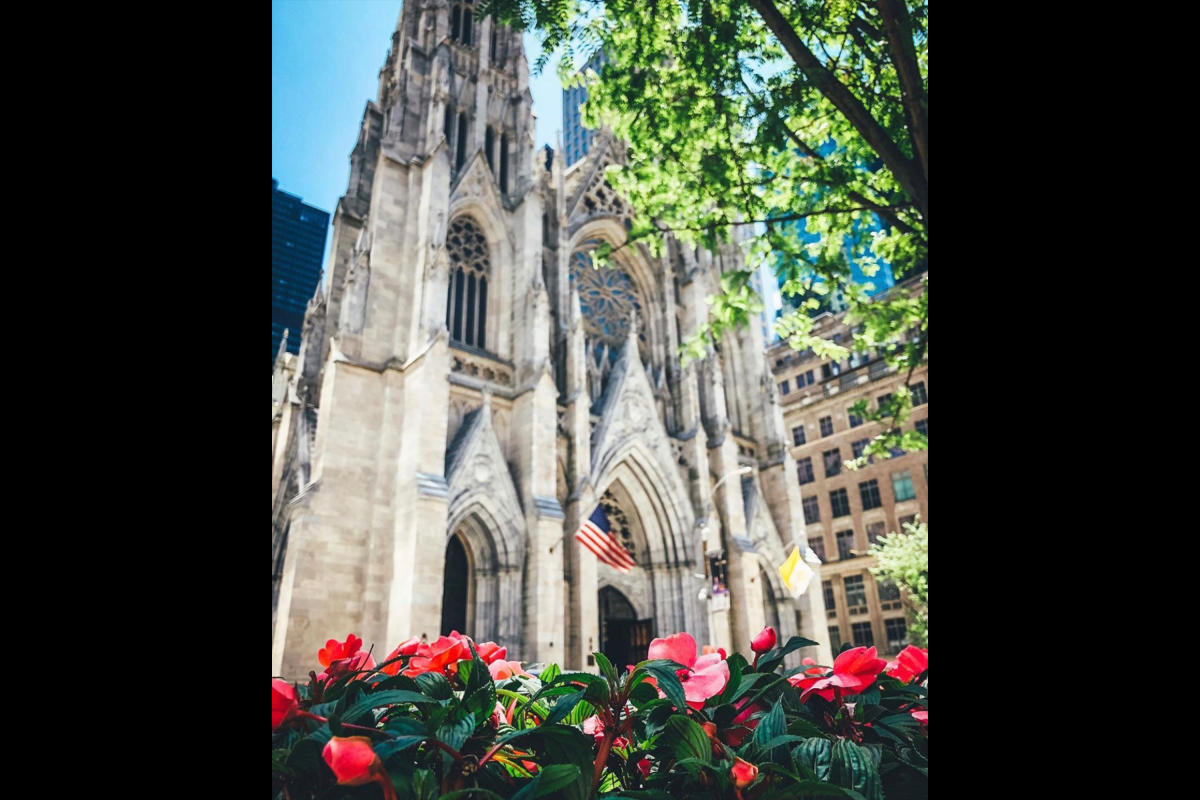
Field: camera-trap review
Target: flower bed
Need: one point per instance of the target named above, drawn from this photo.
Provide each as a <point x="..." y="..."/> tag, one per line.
<point x="453" y="719"/>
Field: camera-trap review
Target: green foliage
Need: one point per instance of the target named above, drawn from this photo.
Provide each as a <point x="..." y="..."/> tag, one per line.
<point x="747" y="119"/>
<point x="903" y="558"/>
<point x="579" y="736"/>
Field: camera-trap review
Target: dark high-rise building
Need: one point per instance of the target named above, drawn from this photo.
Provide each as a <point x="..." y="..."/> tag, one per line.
<point x="297" y="247"/>
<point x="576" y="138"/>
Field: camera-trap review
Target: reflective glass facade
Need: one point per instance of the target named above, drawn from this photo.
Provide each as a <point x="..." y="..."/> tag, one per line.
<point x="297" y="246"/>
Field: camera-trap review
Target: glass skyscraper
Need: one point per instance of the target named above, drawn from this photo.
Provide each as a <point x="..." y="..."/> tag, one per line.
<point x="297" y="246"/>
<point x="576" y="138"/>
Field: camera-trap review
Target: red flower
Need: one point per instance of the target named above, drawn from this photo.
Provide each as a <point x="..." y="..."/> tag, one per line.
<point x="853" y="671"/>
<point x="742" y="726"/>
<point x="764" y="641"/>
<point x="344" y="666"/>
<point x="743" y="773"/>
<point x="594" y="726"/>
<point x="406" y="648"/>
<point x="283" y="702"/>
<point x="911" y="662"/>
<point x="703" y="677"/>
<point x="644" y="768"/>
<point x="334" y="650"/>
<point x="447" y="651"/>
<point x="921" y="715"/>
<point x="490" y="652"/>
<point x="354" y="763"/>
<point x="810" y="676"/>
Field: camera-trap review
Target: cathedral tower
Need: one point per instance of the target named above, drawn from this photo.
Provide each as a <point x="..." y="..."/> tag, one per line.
<point x="469" y="388"/>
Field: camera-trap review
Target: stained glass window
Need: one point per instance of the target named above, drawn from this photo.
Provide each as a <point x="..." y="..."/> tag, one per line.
<point x="606" y="299"/>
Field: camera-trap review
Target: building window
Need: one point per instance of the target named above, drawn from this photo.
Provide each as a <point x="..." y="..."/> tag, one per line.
<point x="885" y="400"/>
<point x="784" y="388"/>
<point x="919" y="396"/>
<point x="504" y="162"/>
<point x="826" y="372"/>
<point x="922" y="425"/>
<point x="856" y="592"/>
<point x="826" y="426"/>
<point x="466" y="299"/>
<point x="888" y="591"/>
<point x="827" y="588"/>
<point x="461" y="153"/>
<point x="833" y="462"/>
<point x="858" y="446"/>
<point x="805" y="380"/>
<point x="907" y="521"/>
<point x="902" y="485"/>
<point x="845" y="541"/>
<point x="817" y="543"/>
<point x="798" y="435"/>
<point x="869" y="492"/>
<point x="840" y="502"/>
<point x="804" y="470"/>
<point x="897" y="635"/>
<point x="861" y="633"/>
<point x="460" y="23"/>
<point x="855" y="419"/>
<point x="835" y="639"/>
<point x="874" y="531"/>
<point x="812" y="511"/>
<point x="489" y="145"/>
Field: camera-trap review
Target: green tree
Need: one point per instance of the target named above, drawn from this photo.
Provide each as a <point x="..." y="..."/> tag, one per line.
<point x="768" y="114"/>
<point x="903" y="559"/>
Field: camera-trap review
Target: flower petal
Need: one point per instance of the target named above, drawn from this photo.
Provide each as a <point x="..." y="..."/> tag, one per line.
<point x="680" y="647"/>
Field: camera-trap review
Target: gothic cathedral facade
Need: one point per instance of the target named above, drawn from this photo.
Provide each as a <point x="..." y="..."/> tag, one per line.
<point x="469" y="388"/>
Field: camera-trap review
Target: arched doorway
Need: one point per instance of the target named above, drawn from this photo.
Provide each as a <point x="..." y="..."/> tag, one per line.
<point x="624" y="638"/>
<point x="455" y="588"/>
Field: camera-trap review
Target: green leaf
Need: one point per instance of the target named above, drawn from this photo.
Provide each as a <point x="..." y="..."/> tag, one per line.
<point x="378" y="699"/>
<point x="770" y="661"/>
<point x="815" y="755"/>
<point x="564" y="706"/>
<point x="549" y="673"/>
<point x="606" y="669"/>
<point x="435" y="685"/>
<point x="424" y="785"/>
<point x="386" y="749"/>
<point x="555" y="777"/>
<point x="471" y="794"/>
<point x="663" y="671"/>
<point x="771" y="726"/>
<point x="853" y="767"/>
<point x="455" y="734"/>
<point x="688" y="739"/>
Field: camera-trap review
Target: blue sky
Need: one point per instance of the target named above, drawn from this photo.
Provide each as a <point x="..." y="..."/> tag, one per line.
<point x="325" y="61"/>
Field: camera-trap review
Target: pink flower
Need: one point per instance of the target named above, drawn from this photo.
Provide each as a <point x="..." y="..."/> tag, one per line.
<point x="743" y="773"/>
<point x="911" y="662"/>
<point x="853" y="671"/>
<point x="497" y="715"/>
<point x="594" y="726"/>
<point x="921" y="715"/>
<point x="502" y="670"/>
<point x="283" y="702"/>
<point x="764" y="641"/>
<point x="702" y="677"/>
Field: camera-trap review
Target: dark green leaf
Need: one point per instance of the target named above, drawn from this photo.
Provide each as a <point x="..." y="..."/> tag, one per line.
<point x="435" y="685"/>
<point x="454" y="734"/>
<point x="391" y="697"/>
<point x="853" y="767"/>
<point x="556" y="777"/>
<point x="564" y="706"/>
<point x="687" y="739"/>
<point x="663" y="671"/>
<point x="606" y="669"/>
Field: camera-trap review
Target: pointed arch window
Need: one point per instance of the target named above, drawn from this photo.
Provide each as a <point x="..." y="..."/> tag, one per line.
<point x="461" y="154"/>
<point x="466" y="299"/>
<point x="461" y="18"/>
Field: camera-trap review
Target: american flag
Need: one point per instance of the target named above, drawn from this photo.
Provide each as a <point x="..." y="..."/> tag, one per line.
<point x="595" y="536"/>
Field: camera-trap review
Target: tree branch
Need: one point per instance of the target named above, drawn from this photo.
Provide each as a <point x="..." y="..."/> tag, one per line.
<point x="900" y="42"/>
<point x="908" y="172"/>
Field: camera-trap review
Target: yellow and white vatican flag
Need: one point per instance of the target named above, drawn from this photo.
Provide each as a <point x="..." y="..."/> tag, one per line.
<point x="795" y="573"/>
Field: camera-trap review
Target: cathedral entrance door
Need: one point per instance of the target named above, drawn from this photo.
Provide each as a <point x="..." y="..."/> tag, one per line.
<point x="624" y="639"/>
<point x="455" y="588"/>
